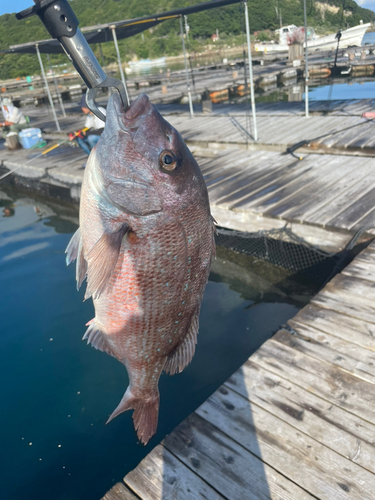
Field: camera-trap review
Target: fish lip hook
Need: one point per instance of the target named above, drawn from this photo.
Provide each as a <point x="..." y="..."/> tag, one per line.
<point x="107" y="83"/>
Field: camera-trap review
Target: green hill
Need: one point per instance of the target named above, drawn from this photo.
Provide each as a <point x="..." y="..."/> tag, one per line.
<point x="164" y="39"/>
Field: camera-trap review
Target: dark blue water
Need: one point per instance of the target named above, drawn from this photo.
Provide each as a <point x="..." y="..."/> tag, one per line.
<point x="57" y="392"/>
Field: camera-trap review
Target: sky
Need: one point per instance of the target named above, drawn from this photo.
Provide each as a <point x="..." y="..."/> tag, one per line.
<point x="14" y="6"/>
<point x="18" y="5"/>
<point x="367" y="4"/>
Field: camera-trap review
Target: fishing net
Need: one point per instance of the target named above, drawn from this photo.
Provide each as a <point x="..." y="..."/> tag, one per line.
<point x="283" y="248"/>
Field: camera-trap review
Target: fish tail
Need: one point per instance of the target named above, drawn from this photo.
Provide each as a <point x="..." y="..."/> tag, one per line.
<point x="145" y="416"/>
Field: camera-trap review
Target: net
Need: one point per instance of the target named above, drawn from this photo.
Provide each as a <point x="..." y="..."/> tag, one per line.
<point x="283" y="248"/>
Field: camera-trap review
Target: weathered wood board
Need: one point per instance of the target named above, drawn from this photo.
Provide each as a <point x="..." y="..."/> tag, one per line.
<point x="119" y="492"/>
<point x="221" y="461"/>
<point x="161" y="476"/>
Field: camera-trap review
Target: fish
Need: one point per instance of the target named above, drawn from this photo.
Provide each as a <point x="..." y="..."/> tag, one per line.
<point x="144" y="243"/>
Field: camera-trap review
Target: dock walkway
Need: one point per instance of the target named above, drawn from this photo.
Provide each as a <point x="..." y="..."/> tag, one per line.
<point x="324" y="198"/>
<point x="295" y="422"/>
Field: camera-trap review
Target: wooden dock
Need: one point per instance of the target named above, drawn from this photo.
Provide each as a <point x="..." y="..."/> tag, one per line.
<point x="324" y="197"/>
<point x="295" y="422"/>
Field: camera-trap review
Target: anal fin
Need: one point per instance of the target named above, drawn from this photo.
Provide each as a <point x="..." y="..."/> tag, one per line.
<point x="182" y="356"/>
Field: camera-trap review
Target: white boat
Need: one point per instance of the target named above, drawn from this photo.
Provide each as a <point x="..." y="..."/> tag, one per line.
<point x="349" y="38"/>
<point x="145" y="64"/>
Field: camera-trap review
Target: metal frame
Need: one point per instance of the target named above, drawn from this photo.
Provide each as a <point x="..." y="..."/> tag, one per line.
<point x="252" y="97"/>
<point x="186" y="71"/>
<point x="47" y="88"/>
<point x="56" y="87"/>
<point x="306" y="64"/>
<point x="113" y="28"/>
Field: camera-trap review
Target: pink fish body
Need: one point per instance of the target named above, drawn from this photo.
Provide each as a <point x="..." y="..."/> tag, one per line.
<point x="145" y="244"/>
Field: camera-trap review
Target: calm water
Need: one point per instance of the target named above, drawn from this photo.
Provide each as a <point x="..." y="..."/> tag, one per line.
<point x="57" y="392"/>
<point x="346" y="90"/>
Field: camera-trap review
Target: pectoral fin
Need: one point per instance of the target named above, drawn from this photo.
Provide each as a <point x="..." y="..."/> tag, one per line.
<point x="101" y="261"/>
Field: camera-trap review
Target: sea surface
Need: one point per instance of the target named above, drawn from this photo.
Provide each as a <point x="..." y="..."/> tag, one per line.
<point x="57" y="392"/>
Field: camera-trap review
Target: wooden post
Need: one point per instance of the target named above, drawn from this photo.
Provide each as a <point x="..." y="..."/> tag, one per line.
<point x="295" y="51"/>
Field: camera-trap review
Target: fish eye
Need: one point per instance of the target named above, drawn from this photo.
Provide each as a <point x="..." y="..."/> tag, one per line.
<point x="167" y="160"/>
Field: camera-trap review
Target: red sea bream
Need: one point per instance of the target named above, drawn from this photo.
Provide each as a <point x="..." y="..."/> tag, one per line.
<point x="145" y="243"/>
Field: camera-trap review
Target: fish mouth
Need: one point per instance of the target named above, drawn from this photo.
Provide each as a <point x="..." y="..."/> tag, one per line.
<point x="130" y="120"/>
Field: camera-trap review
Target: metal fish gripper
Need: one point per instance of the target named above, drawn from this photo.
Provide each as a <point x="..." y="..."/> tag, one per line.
<point x="61" y="23"/>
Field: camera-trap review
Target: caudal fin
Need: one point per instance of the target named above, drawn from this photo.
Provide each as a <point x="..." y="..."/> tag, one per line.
<point x="145" y="416"/>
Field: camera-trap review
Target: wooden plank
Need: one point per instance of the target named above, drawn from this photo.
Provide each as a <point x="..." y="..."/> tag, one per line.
<point x="161" y="476"/>
<point x="342" y="140"/>
<point x="325" y="214"/>
<point x="346" y="327"/>
<point x="267" y="170"/>
<point x="367" y="222"/>
<point x="363" y="136"/>
<point x="350" y="357"/>
<point x="222" y="173"/>
<point x="222" y="462"/>
<point x="328" y="131"/>
<point x="297" y="456"/>
<point x="263" y="187"/>
<point x="356" y="211"/>
<point x="304" y="188"/>
<point x="333" y="427"/>
<point x="119" y="492"/>
<point x="237" y="131"/>
<point x="371" y="143"/>
<point x="283" y="135"/>
<point x="361" y="269"/>
<point x="340" y="175"/>
<point x="349" y="296"/>
<point x="318" y="377"/>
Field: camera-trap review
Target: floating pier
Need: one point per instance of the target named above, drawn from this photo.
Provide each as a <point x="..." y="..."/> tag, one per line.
<point x="221" y="79"/>
<point x="297" y="420"/>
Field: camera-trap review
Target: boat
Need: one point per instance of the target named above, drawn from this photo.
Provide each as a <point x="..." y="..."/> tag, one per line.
<point x="145" y="64"/>
<point x="352" y="37"/>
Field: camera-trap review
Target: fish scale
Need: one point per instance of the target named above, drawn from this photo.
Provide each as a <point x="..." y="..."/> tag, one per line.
<point x="145" y="244"/>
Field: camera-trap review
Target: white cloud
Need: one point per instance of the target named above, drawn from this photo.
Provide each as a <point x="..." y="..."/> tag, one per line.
<point x="367" y="4"/>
